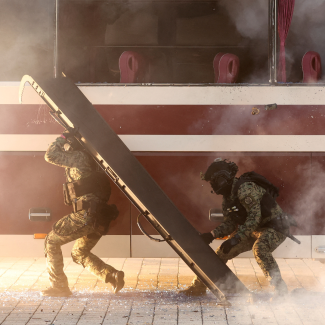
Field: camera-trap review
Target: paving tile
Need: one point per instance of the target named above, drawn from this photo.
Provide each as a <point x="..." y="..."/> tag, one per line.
<point x="246" y="273"/>
<point x="141" y="311"/>
<point x="131" y="268"/>
<point x="185" y="275"/>
<point x="189" y="313"/>
<point x="149" y="295"/>
<point x="118" y="311"/>
<point x="165" y="314"/>
<point x="310" y="316"/>
<point x="238" y="315"/>
<point x="288" y="274"/>
<point x="261" y="315"/>
<point x="303" y="273"/>
<point x="148" y="276"/>
<point x="213" y="314"/>
<point x="168" y="274"/>
<point x="286" y="315"/>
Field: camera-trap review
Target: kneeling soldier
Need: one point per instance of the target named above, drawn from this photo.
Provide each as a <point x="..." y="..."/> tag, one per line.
<point x="253" y="219"/>
<point x="87" y="190"/>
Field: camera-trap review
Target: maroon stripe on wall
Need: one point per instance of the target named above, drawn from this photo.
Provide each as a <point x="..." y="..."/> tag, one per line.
<point x="178" y="120"/>
<point x="28" y="181"/>
<point x="205" y="120"/>
<point x="27" y="119"/>
<point x="299" y="177"/>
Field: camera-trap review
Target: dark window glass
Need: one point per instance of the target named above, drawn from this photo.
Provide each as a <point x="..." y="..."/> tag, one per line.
<point x="178" y="39"/>
<point x="307" y="33"/>
<point x="26" y="39"/>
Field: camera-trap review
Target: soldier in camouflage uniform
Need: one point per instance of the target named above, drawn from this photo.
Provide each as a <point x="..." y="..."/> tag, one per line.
<point x="85" y="225"/>
<point x="252" y="218"/>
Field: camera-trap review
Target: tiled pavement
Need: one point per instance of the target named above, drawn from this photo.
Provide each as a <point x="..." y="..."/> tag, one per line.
<point x="150" y="295"/>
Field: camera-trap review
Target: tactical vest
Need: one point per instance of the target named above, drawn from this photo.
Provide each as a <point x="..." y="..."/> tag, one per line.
<point x="237" y="211"/>
<point x="96" y="183"/>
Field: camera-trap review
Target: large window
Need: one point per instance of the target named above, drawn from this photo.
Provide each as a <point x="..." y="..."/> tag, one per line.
<point x="26" y="38"/>
<point x="307" y="33"/>
<point x="176" y="41"/>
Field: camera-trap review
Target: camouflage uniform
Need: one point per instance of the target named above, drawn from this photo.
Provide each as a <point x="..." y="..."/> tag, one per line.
<point x="75" y="226"/>
<point x="262" y="240"/>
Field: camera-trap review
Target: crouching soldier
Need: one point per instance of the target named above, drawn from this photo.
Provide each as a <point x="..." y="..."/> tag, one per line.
<point x="253" y="219"/>
<point x="87" y="190"/>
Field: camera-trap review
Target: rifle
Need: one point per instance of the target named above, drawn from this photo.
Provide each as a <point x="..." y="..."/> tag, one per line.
<point x="284" y="228"/>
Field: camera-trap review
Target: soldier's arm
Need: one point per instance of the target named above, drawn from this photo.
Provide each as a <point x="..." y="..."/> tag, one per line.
<point x="226" y="228"/>
<point x="57" y="156"/>
<point x="250" y="196"/>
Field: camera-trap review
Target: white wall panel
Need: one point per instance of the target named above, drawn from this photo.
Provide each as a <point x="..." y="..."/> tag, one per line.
<point x="318" y="240"/>
<point x="184" y="143"/>
<point x="144" y="247"/>
<point x="27" y="246"/>
<point x="180" y="95"/>
<point x="119" y="246"/>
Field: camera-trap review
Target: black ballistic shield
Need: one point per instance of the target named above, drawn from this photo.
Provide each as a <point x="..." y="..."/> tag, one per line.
<point x="71" y="108"/>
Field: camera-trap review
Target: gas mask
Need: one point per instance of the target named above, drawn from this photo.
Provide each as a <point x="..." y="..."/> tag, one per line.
<point x="221" y="182"/>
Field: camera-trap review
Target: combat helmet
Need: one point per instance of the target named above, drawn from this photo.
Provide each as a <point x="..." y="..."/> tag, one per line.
<point x="220" y="174"/>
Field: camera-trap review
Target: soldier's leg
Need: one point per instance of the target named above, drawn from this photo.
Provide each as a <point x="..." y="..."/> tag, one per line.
<point x="81" y="255"/>
<point x="198" y="287"/>
<point x="267" y="241"/>
<point x="67" y="229"/>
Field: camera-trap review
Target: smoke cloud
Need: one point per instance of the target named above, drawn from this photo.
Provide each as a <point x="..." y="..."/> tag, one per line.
<point x="249" y="16"/>
<point x="306" y="34"/>
<point x="308" y="207"/>
<point x="25" y="38"/>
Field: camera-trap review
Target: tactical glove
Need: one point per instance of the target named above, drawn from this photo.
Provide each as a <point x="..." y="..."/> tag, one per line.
<point x="69" y="132"/>
<point x="207" y="237"/>
<point x="229" y="244"/>
<point x="112" y="211"/>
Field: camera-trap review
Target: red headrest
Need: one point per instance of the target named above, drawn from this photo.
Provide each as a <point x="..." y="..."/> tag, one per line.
<point x="132" y="67"/>
<point x="311" y="67"/>
<point x="228" y="68"/>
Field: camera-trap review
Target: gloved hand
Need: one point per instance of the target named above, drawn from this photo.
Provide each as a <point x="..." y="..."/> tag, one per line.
<point x="207" y="237"/>
<point x="69" y="132"/>
<point x="112" y="211"/>
<point x="229" y="244"/>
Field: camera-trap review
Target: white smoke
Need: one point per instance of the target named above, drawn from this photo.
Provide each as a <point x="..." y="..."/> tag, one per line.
<point x="306" y="33"/>
<point x="308" y="208"/>
<point x="249" y="16"/>
<point x="25" y="38"/>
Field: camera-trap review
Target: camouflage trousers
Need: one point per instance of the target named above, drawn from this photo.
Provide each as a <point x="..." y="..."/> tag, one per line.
<point x="74" y="226"/>
<point x="262" y="242"/>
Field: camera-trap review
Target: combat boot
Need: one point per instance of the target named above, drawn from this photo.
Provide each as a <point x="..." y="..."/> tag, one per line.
<point x="280" y="291"/>
<point x="56" y="292"/>
<point x="116" y="279"/>
<point x="197" y="288"/>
